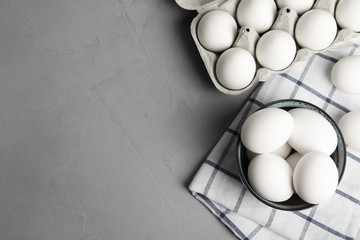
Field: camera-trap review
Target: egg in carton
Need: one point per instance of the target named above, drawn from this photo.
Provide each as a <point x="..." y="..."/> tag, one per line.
<point x="256" y="41"/>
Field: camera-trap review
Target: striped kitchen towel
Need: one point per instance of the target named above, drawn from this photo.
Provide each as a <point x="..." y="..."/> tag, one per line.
<point x="218" y="186"/>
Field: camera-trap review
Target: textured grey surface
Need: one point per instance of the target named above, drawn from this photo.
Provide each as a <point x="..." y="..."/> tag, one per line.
<point x="106" y="113"/>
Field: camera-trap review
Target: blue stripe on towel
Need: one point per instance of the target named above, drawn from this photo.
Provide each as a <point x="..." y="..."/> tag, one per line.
<point x="307" y="223"/>
<point x="353" y="157"/>
<point x="345" y="195"/>
<point x="331" y="59"/>
<point x="230" y="174"/>
<point x="303" y="74"/>
<point x="233" y="132"/>
<point x="323" y="226"/>
<point x="314" y="92"/>
<point x="221" y="169"/>
<point x="222" y="216"/>
<point x="222" y="157"/>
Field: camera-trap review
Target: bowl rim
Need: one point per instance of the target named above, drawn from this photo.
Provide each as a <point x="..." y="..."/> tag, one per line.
<point x="340" y="151"/>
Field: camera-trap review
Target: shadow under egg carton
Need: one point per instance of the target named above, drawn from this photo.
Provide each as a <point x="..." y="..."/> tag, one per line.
<point x="247" y="37"/>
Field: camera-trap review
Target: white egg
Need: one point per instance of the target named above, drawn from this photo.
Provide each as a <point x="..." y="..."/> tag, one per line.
<point x="283" y="152"/>
<point x="345" y="74"/>
<point x="276" y="50"/>
<point x="312" y="132"/>
<point x="315" y="177"/>
<point x="258" y="14"/>
<point x="216" y="30"/>
<point x="300" y="6"/>
<point x="349" y="125"/>
<point x="235" y="68"/>
<point x="316" y="29"/>
<point x="293" y="159"/>
<point x="266" y="130"/>
<point x="271" y="177"/>
<point x="347" y="14"/>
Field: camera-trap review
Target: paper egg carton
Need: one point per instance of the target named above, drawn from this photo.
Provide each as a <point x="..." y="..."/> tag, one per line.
<point x="248" y="38"/>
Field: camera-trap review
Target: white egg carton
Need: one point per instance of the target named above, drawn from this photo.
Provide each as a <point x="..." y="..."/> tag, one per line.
<point x="248" y="38"/>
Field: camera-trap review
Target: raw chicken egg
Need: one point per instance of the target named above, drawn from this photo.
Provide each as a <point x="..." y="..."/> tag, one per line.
<point x="312" y="132"/>
<point x="266" y="130"/>
<point x="300" y="6"/>
<point x="271" y="177"/>
<point x="258" y="14"/>
<point x="349" y="125"/>
<point x="276" y="50"/>
<point x="347" y="14"/>
<point x="345" y="74"/>
<point x="235" y="68"/>
<point x="283" y="152"/>
<point x="217" y="30"/>
<point x="293" y="159"/>
<point x="316" y="29"/>
<point x="315" y="177"/>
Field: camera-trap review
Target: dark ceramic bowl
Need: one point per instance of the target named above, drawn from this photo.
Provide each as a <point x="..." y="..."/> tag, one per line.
<point x="295" y="202"/>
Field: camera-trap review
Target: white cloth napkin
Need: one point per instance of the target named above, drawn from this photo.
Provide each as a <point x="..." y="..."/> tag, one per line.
<point x="217" y="184"/>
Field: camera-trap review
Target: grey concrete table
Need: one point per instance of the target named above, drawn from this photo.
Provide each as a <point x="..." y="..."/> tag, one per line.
<point x="106" y="113"/>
